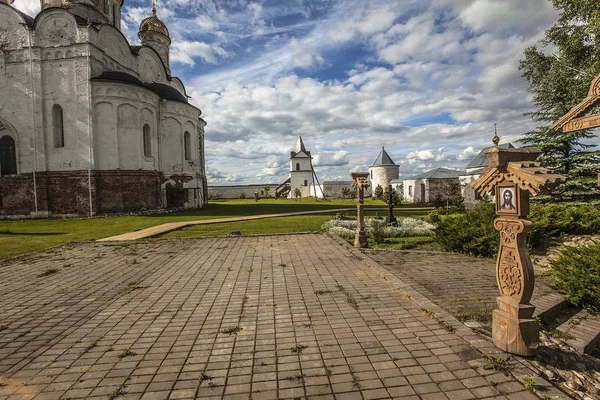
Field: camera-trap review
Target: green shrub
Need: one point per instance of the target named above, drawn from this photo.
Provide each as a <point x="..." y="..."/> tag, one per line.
<point x="576" y="271"/>
<point x="553" y="220"/>
<point x="378" y="192"/>
<point x="472" y="232"/>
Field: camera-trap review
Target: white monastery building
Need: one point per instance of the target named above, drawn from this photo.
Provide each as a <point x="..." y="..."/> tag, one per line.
<point x="89" y="123"/>
<point x="383" y="171"/>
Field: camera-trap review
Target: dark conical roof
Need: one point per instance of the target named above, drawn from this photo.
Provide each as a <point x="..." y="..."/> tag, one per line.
<point x="383" y="158"/>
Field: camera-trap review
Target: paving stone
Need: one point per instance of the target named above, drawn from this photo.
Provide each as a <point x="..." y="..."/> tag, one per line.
<point x="224" y="318"/>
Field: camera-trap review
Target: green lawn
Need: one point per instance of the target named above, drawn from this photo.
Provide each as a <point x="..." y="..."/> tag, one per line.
<point x="24" y="236"/>
<point x="307" y="223"/>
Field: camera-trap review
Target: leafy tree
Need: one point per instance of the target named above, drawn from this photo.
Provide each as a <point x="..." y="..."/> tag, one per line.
<point x="559" y="71"/>
<point x="378" y="193"/>
<point x="267" y="189"/>
<point x="297" y="193"/>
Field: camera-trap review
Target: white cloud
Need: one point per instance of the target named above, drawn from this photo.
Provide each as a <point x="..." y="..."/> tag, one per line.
<point x="305" y="56"/>
<point x="329" y="159"/>
<point x="468" y="153"/>
<point x="29" y="7"/>
<point x="184" y="52"/>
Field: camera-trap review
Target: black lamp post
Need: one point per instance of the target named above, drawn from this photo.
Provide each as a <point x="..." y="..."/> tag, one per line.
<point x="391" y="219"/>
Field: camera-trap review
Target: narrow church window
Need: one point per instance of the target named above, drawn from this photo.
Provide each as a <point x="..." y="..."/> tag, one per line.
<point x="115" y="15"/>
<point x="187" y="144"/>
<point x="305" y="182"/>
<point x="147" y="141"/>
<point x="410" y="190"/>
<point x="8" y="156"/>
<point x="59" y="127"/>
<point x="297" y="166"/>
<point x="104" y="6"/>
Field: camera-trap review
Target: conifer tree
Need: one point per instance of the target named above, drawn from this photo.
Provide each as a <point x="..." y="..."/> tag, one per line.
<point x="559" y="71"/>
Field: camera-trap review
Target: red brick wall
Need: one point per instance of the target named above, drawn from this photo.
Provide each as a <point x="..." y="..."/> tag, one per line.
<point x="127" y="191"/>
<point x="68" y="192"/>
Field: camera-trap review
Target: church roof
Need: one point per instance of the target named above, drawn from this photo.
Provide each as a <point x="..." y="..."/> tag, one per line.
<point x="164" y="91"/>
<point x="439" y="173"/>
<point x="154" y="24"/>
<point x="383" y="159"/>
<point x="300" y="145"/>
<point x="299" y="148"/>
<point x="481" y="160"/>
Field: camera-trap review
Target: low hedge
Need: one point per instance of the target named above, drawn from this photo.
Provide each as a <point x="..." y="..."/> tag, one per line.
<point x="576" y="272"/>
<point x="472" y="232"/>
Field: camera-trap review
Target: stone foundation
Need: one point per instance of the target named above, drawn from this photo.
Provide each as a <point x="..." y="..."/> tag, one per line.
<point x="68" y="193"/>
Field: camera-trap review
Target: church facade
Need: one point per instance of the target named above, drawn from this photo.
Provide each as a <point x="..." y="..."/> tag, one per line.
<point x="89" y="123"/>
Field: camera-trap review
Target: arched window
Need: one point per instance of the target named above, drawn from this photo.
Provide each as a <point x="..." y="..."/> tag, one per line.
<point x="305" y="182"/>
<point x="58" y="125"/>
<point x="8" y="156"/>
<point x="297" y="166"/>
<point x="187" y="145"/>
<point x="147" y="141"/>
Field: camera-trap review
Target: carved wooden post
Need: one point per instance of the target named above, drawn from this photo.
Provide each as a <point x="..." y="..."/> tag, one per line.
<point x="360" y="183"/>
<point x="513" y="176"/>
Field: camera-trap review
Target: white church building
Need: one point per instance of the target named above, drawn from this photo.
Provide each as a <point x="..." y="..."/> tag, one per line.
<point x="89" y="123"/>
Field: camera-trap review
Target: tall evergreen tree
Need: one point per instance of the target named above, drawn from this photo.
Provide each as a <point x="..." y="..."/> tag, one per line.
<point x="559" y="71"/>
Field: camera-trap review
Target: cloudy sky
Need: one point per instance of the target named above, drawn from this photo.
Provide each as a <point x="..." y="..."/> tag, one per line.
<point x="428" y="78"/>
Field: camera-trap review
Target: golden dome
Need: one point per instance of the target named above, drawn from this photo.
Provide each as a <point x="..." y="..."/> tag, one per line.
<point x="153" y="24"/>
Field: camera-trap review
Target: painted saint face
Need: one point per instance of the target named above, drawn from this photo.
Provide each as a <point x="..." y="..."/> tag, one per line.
<point x="508" y="203"/>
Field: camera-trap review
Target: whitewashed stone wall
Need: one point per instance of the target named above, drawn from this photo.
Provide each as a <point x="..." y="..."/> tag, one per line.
<point x="102" y="120"/>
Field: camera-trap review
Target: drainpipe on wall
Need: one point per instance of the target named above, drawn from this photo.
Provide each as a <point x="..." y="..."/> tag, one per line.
<point x="163" y="196"/>
<point x="91" y="154"/>
<point x="35" y="197"/>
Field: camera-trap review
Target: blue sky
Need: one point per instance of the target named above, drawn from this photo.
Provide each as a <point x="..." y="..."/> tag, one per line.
<point x="429" y="78"/>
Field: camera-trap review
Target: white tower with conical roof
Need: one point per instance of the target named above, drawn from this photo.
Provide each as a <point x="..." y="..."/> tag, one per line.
<point x="383" y="171"/>
<point x="301" y="171"/>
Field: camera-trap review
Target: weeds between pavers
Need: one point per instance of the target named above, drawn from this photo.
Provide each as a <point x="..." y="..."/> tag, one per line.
<point x="90" y="346"/>
<point x="204" y="377"/>
<point x="320" y="292"/>
<point x="529" y="384"/>
<point x="349" y="299"/>
<point x="119" y="391"/>
<point x="126" y="353"/>
<point x="443" y="324"/>
<point x="558" y="334"/>
<point x="298" y="349"/>
<point x="498" y="364"/>
<point x="232" y="331"/>
<point x="296" y="378"/>
<point x="48" y="272"/>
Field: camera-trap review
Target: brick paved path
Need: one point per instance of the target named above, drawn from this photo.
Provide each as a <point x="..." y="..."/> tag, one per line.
<point x="464" y="286"/>
<point x="250" y="317"/>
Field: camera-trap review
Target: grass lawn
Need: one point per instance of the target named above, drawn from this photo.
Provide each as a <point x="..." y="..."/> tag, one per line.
<point x="409" y="243"/>
<point x="310" y="223"/>
<point x="24" y="236"/>
<point x="305" y="223"/>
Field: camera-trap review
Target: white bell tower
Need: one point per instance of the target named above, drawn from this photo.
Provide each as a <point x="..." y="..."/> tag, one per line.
<point x="301" y="171"/>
